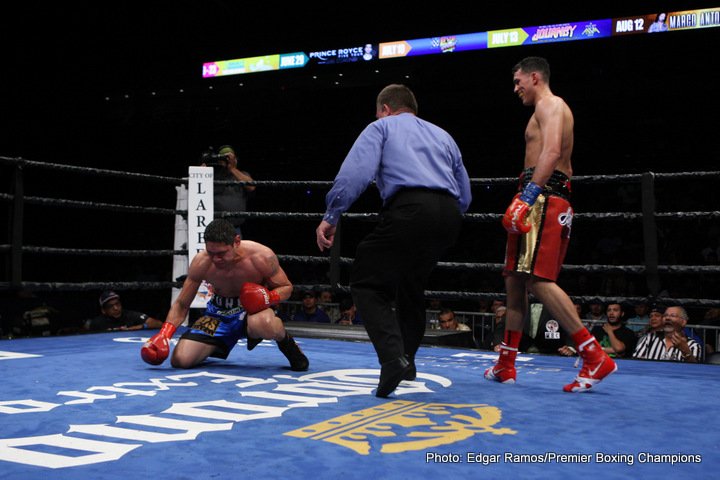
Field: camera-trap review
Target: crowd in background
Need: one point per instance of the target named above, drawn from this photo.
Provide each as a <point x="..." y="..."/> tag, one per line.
<point x="27" y="313"/>
<point x="649" y="329"/>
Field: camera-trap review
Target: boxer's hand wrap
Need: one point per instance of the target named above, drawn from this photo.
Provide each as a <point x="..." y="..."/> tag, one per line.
<point x="256" y="298"/>
<point x="515" y="218"/>
<point x="530" y="193"/>
<point x="157" y="349"/>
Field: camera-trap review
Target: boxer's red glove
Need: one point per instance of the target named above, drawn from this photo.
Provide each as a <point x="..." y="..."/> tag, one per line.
<point x="256" y="298"/>
<point x="157" y="349"/>
<point x="515" y="219"/>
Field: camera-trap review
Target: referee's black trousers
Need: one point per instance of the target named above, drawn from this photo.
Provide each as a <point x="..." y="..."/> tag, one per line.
<point x="393" y="265"/>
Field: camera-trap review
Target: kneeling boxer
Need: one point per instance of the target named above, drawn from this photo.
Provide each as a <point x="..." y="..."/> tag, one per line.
<point x="247" y="282"/>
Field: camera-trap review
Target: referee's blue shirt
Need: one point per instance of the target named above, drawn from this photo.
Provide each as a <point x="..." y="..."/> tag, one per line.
<point x="399" y="151"/>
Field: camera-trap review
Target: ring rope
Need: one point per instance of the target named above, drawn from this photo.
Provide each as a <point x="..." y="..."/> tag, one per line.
<point x="370" y="216"/>
<point x="285" y="183"/>
<point x="96" y="251"/>
<point x="633" y="177"/>
<point x="442" y="294"/>
<point x="480" y="217"/>
<point x="56" y="202"/>
<point x="695" y="302"/>
<point x="21" y="162"/>
<point x="477" y="217"/>
<point x="86" y="286"/>
<point x="590" y="268"/>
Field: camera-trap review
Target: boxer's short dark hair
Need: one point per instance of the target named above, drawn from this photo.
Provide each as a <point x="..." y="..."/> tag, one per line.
<point x="220" y="231"/>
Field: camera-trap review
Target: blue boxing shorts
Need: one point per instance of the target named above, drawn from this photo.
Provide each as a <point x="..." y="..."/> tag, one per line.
<point x="224" y="323"/>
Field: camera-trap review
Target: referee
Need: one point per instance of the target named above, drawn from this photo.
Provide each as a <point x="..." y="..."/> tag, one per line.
<point x="425" y="189"/>
<point x="670" y="343"/>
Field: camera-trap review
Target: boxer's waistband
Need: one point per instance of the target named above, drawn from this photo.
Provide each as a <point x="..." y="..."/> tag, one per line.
<point x="225" y="303"/>
<point x="558" y="184"/>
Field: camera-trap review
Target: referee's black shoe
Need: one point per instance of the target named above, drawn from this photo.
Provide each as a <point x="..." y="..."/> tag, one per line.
<point x="391" y="374"/>
<point x="412" y="372"/>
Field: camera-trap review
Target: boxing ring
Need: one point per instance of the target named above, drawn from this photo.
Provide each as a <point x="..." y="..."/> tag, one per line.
<point x="86" y="406"/>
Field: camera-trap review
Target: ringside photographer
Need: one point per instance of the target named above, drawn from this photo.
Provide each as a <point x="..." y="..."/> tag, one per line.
<point x="229" y="198"/>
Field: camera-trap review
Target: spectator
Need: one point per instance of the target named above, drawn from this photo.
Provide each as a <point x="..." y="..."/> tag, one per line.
<point x="231" y="198"/>
<point x="348" y="313"/>
<point x="114" y="317"/>
<point x="488" y="336"/>
<point x="639" y="323"/>
<point x="496" y="304"/>
<point x="23" y="312"/>
<point x="670" y="343"/>
<point x="484" y="324"/>
<point x="578" y="308"/>
<point x="327" y="303"/>
<point x="498" y="332"/>
<point x="493" y="340"/>
<point x="655" y="322"/>
<point x="614" y="337"/>
<point x="656" y="327"/>
<point x="595" y="314"/>
<point x="711" y="318"/>
<point x="447" y="321"/>
<point x="310" y="311"/>
<point x="483" y="305"/>
<point x="434" y="305"/>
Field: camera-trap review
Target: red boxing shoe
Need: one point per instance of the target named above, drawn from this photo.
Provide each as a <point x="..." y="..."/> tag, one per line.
<point x="504" y="370"/>
<point x="502" y="374"/>
<point x="596" y="366"/>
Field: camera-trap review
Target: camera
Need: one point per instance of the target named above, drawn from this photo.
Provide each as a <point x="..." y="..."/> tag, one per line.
<point x="212" y="159"/>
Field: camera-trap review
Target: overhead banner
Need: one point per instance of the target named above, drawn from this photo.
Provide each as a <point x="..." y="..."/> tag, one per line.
<point x="433" y="45"/>
<point x="562" y="32"/>
<point x="709" y="17"/>
<point x="667" y="21"/>
<point x="506" y="37"/>
<point x="358" y="53"/>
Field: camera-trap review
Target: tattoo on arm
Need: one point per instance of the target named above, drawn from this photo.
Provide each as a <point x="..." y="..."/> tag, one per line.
<point x="274" y="276"/>
<point x="273" y="264"/>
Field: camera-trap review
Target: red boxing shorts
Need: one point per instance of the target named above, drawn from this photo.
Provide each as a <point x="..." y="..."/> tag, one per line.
<point x="541" y="251"/>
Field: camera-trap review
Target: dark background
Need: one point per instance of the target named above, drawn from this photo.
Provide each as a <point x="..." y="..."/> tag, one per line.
<point x="120" y="87"/>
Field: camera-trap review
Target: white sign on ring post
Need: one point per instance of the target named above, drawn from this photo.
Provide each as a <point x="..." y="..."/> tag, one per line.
<point x="200" y="212"/>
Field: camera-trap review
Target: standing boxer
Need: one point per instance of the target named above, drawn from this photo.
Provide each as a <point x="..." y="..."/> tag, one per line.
<point x="425" y="188"/>
<point x="538" y="222"/>
<point x="247" y="281"/>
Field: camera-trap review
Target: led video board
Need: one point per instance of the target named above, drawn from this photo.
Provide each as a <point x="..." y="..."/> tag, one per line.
<point x="658" y="22"/>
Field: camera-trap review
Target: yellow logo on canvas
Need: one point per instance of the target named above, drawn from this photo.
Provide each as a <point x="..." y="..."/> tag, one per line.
<point x="402" y="426"/>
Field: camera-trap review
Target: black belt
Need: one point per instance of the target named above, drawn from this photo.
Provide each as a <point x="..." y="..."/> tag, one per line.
<point x="558" y="184"/>
<point x="438" y="191"/>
